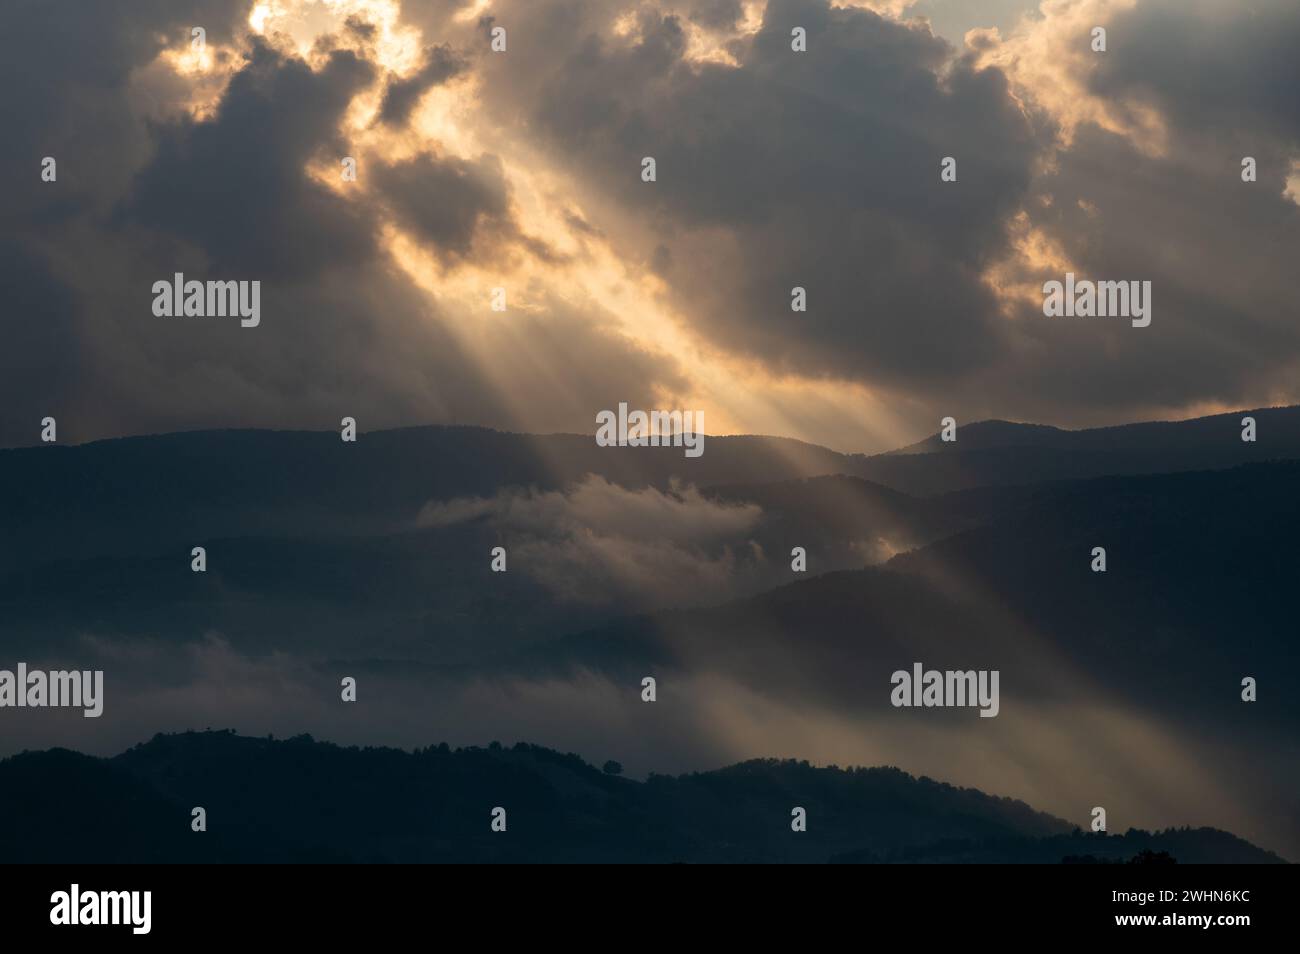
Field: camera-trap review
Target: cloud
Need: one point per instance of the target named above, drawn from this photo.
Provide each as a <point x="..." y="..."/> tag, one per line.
<point x="41" y="359"/>
<point x="233" y="190"/>
<point x="819" y="170"/>
<point x="600" y="543"/>
<point x="1245" y="73"/>
<point x="776" y="169"/>
<point x="402" y="94"/>
<point x="69" y="68"/>
<point x="447" y="201"/>
<point x="1147" y="185"/>
<point x="234" y="185"/>
<point x="717" y="14"/>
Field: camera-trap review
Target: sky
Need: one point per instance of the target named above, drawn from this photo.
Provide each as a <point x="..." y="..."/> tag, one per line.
<point x="521" y="170"/>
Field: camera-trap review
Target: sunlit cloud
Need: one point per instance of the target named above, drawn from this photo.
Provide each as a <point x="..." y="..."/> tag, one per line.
<point x="1049" y="59"/>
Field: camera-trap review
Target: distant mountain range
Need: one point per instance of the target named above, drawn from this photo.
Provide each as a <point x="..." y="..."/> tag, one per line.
<point x="998" y="453"/>
<point x="139" y="494"/>
<point x="968" y="555"/>
<point x="302" y="800"/>
<point x="1199" y="583"/>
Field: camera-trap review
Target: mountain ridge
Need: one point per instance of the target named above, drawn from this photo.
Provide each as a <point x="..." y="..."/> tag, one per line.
<point x="301" y="799"/>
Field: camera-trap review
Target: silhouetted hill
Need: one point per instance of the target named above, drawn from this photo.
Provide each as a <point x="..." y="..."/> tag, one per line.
<point x="419" y="588"/>
<point x="1197" y="594"/>
<point x="429" y="592"/>
<point x="317" y="562"/>
<point x="62" y="807"/>
<point x="846" y="520"/>
<point x="142" y="494"/>
<point x="138" y="495"/>
<point x="1195" y="435"/>
<point x="305" y="800"/>
<point x="1194" y="589"/>
<point x="990" y="453"/>
<point x="993" y="435"/>
<point x="310" y="535"/>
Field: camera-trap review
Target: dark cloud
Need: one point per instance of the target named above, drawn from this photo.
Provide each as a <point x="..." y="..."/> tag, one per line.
<point x="65" y="73"/>
<point x="228" y="195"/>
<point x="818" y="169"/>
<point x="716" y="14"/>
<point x="361" y="28"/>
<point x="235" y="185"/>
<point x="1216" y="252"/>
<point x="822" y="170"/>
<point x="446" y="201"/>
<point x="41" y="357"/>
<point x="1212" y="68"/>
<point x="441" y="64"/>
<point x="1219" y="252"/>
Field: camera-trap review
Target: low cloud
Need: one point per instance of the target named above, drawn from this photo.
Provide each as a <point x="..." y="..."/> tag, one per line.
<point x="597" y="542"/>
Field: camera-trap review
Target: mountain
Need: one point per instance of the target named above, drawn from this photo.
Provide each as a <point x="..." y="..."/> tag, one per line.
<point x="312" y="540"/>
<point x="1121" y="688"/>
<point x="302" y="800"/>
<point x="140" y="495"/>
<point x="991" y="453"/>
<point x="1277" y="427"/>
<point x="1136" y="672"/>
<point x="305" y="528"/>
<point x="1198" y="583"/>
<point x="995" y="435"/>
<point x="423" y="593"/>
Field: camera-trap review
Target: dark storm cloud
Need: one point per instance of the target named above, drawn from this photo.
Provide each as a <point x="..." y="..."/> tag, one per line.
<point x="64" y="74"/>
<point x="445" y="201"/>
<point x="1220" y="252"/>
<point x="821" y="168"/>
<point x="716" y="14"/>
<point x="228" y="195"/>
<point x="441" y="64"/>
<point x="234" y="185"/>
<point x="818" y="169"/>
<point x="1210" y="67"/>
<point x="40" y="356"/>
